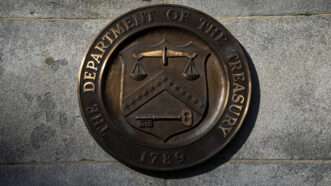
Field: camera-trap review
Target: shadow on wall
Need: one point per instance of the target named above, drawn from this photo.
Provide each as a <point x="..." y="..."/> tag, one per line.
<point x="235" y="144"/>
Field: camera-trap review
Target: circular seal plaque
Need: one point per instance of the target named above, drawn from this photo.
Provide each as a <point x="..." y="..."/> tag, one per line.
<point x="164" y="87"/>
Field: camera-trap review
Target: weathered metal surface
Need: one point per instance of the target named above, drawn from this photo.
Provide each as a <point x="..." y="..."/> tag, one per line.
<point x="164" y="87"/>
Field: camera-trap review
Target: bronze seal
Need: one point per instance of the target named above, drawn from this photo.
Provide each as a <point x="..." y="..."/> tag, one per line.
<point x="164" y="87"/>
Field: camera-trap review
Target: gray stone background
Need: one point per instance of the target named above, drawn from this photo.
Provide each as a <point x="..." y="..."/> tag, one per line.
<point x="43" y="140"/>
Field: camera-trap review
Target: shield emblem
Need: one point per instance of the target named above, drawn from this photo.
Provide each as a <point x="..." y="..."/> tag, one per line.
<point x="164" y="87"/>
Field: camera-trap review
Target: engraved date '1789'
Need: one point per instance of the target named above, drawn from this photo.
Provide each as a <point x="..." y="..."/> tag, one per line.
<point x="164" y="158"/>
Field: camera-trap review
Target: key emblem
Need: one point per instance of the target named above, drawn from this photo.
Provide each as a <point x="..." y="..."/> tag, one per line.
<point x="147" y="121"/>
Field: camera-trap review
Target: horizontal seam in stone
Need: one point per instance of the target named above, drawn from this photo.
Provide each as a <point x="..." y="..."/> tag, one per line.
<point x="57" y="162"/>
<point x="279" y="161"/>
<point x="219" y="17"/>
<point x="274" y="16"/>
<point x="247" y="161"/>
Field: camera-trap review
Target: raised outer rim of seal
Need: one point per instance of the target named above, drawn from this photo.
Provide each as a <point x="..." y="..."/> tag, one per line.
<point x="212" y="153"/>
